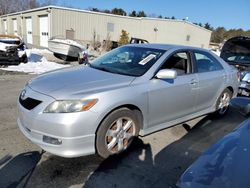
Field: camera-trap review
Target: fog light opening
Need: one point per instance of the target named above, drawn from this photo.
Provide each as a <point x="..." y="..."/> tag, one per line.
<point x="51" y="140"/>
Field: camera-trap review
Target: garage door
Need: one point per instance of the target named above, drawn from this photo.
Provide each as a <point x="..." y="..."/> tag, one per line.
<point x="5" y="27"/>
<point x="44" y="31"/>
<point x="29" y="30"/>
<point x="15" y="26"/>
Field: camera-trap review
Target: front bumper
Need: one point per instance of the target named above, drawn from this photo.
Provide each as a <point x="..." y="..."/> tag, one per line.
<point x="244" y="88"/>
<point x="74" y="131"/>
<point x="69" y="147"/>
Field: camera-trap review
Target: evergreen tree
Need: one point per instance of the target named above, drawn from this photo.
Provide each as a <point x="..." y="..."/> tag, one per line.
<point x="118" y="11"/>
<point x="141" y="14"/>
<point x="124" y="38"/>
<point x="208" y="26"/>
<point x="133" y="14"/>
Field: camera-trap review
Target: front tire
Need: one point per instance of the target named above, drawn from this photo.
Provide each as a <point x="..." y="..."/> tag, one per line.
<point x="222" y="104"/>
<point x="117" y="132"/>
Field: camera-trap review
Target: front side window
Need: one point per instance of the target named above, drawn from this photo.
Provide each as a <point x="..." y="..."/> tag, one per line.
<point x="179" y="62"/>
<point x="127" y="60"/>
<point x="206" y="63"/>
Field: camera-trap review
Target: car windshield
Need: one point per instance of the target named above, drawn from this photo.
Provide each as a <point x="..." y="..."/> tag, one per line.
<point x="239" y="59"/>
<point x="127" y="60"/>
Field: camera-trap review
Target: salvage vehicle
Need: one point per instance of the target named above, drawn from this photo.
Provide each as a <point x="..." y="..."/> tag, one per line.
<point x="134" y="40"/>
<point x="236" y="52"/>
<point x="12" y="50"/>
<point x="226" y="163"/>
<point x="65" y="49"/>
<point x="136" y="89"/>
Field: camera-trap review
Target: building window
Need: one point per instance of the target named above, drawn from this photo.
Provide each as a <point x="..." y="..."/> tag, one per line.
<point x="188" y="38"/>
<point x="110" y="27"/>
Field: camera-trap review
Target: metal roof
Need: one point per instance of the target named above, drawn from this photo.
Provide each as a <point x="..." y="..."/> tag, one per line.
<point x="100" y="13"/>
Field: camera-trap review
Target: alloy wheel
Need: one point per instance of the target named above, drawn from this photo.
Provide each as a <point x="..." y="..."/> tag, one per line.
<point x="119" y="135"/>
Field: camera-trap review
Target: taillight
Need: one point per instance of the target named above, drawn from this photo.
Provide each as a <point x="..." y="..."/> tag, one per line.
<point x="238" y="75"/>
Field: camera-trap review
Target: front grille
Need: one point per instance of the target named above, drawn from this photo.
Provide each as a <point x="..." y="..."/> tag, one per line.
<point x="29" y="103"/>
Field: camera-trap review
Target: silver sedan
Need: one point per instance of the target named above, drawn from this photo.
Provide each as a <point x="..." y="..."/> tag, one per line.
<point x="100" y="107"/>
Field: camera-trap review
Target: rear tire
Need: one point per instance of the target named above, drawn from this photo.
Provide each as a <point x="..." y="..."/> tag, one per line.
<point x="116" y="132"/>
<point x="222" y="104"/>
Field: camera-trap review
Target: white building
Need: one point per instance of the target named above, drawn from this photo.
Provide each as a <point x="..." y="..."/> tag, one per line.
<point x="36" y="26"/>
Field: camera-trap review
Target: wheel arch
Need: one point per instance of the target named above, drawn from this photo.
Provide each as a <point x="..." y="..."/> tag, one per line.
<point x="132" y="107"/>
<point x="231" y="89"/>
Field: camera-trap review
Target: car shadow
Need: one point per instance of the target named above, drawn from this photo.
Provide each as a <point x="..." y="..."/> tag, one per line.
<point x="165" y="167"/>
<point x="141" y="165"/>
<point x="17" y="170"/>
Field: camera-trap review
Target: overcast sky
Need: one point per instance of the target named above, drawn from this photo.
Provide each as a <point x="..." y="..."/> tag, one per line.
<point x="231" y="14"/>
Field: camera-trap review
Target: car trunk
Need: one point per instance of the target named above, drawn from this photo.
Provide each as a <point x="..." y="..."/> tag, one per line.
<point x="236" y="51"/>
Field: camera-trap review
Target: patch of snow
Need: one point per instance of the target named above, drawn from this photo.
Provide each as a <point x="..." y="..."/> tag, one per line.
<point x="3" y="46"/>
<point x="35" y="67"/>
<point x="37" y="51"/>
<point x="9" y="39"/>
<point x="37" y="63"/>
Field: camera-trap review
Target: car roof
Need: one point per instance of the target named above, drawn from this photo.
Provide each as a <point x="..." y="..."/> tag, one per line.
<point x="165" y="46"/>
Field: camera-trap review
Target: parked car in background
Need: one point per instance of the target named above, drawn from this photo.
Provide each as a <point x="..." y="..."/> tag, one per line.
<point x="236" y="52"/>
<point x="134" y="40"/>
<point x="242" y="104"/>
<point x="133" y="90"/>
<point x="226" y="163"/>
<point x="12" y="50"/>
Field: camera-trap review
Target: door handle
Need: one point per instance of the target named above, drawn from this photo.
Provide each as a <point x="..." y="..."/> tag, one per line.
<point x="193" y="82"/>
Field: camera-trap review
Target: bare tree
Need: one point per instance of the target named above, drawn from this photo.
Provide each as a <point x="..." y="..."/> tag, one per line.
<point x="9" y="6"/>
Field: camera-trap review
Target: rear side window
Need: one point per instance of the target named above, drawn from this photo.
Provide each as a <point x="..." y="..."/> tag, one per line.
<point x="206" y="62"/>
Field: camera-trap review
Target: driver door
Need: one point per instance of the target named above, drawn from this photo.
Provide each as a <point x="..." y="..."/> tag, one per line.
<point x="170" y="99"/>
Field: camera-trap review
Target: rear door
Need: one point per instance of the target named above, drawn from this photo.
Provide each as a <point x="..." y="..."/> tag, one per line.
<point x="211" y="76"/>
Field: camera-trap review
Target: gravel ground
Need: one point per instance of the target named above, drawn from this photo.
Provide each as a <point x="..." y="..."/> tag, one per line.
<point x="156" y="160"/>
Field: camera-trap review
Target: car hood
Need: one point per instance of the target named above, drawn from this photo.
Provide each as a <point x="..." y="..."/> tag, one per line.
<point x="225" y="164"/>
<point x="237" y="46"/>
<point x="77" y="81"/>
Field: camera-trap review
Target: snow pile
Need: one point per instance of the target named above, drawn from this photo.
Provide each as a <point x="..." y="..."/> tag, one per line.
<point x="29" y="52"/>
<point x="3" y="47"/>
<point x="37" y="63"/>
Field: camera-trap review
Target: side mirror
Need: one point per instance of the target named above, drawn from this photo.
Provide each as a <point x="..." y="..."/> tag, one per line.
<point x="166" y="74"/>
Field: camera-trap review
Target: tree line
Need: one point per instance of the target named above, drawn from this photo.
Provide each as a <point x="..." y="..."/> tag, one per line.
<point x="10" y="6"/>
<point x="220" y="34"/>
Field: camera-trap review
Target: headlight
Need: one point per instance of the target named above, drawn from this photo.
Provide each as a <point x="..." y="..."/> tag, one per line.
<point x="69" y="106"/>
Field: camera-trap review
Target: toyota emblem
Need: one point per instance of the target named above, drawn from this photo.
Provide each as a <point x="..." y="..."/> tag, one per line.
<point x="23" y="94"/>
